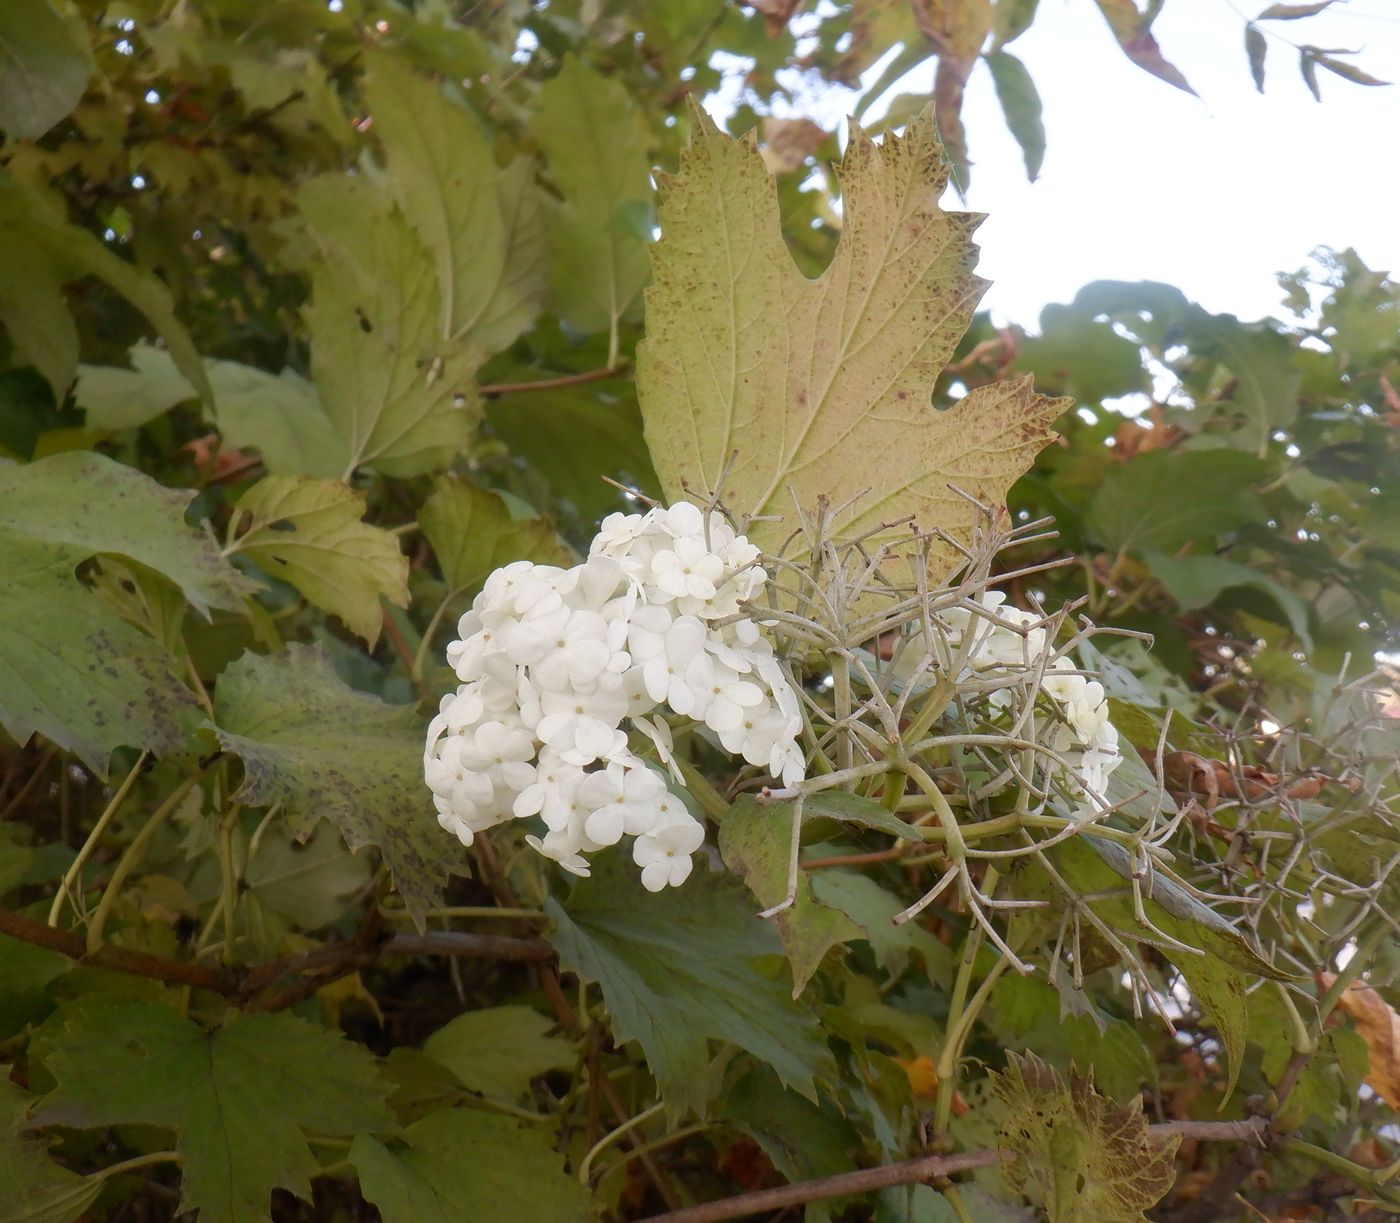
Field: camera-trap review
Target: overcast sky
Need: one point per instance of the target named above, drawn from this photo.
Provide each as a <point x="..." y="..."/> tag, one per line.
<point x="1141" y="181"/>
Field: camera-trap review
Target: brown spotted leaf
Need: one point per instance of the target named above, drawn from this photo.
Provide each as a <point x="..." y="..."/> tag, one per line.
<point x="822" y="387"/>
<point x="1080" y="1155"/>
<point x="70" y="667"/>
<point x="312" y="743"/>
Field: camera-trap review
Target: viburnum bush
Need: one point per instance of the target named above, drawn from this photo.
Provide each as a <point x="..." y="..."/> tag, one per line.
<point x="554" y="667"/>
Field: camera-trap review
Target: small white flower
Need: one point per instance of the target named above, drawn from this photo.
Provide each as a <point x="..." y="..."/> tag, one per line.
<point x="664" y="853"/>
<point x="665" y="648"/>
<point x="681" y="519"/>
<point x="619" y="531"/>
<point x="687" y="570"/>
<point x="658" y="730"/>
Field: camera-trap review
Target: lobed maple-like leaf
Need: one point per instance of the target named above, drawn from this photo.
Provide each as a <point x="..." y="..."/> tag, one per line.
<point x="312" y="743"/>
<point x="822" y="388"/>
<point x="1083" y="1157"/>
<point x="309" y="532"/>
<point x="683" y="974"/>
<point x="238" y="1098"/>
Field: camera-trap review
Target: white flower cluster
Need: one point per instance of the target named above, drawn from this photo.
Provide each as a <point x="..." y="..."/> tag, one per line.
<point x="553" y="661"/>
<point x="1011" y="642"/>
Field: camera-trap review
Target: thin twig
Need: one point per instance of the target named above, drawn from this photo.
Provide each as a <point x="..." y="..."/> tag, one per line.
<point x="921" y="1170"/>
<point x="327" y="962"/>
<point x="549" y="384"/>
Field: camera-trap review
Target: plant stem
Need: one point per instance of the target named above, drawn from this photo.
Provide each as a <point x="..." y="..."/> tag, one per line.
<point x="613" y="1135"/>
<point x="952" y="832"/>
<point x="469" y="911"/>
<point x="74" y="872"/>
<point x="1353" y="1171"/>
<point x="549" y="384"/>
<point x="647" y="1147"/>
<point x="131" y="858"/>
<point x="922" y="1170"/>
<point x="229" y="877"/>
<point x="425" y="642"/>
<point x="140" y="1161"/>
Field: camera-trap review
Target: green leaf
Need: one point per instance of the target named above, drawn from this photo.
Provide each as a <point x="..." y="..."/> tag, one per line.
<point x="237" y="1098"/>
<point x="1121" y="1060"/>
<point x="482" y="224"/>
<point x="1011" y="19"/>
<point x="278" y="414"/>
<point x="460" y="1166"/>
<point x="56" y="253"/>
<point x="596" y="144"/>
<point x="472" y="532"/>
<point x="116" y="398"/>
<point x="25" y="972"/>
<point x="45" y="64"/>
<point x="497" y="1050"/>
<point x="1020" y="103"/>
<point x="574" y="439"/>
<point x="755" y="842"/>
<point x="320" y="748"/>
<point x="735" y="332"/>
<point x="1081" y="1156"/>
<point x="89" y="503"/>
<point x="33" y="1188"/>
<point x="1265" y="384"/>
<point x="804" y="1140"/>
<point x="35" y="314"/>
<point x="848" y="808"/>
<point x="1165" y="498"/>
<point x="1256" y="46"/>
<point x="308" y="532"/>
<point x="310" y="885"/>
<point x="1076" y="354"/>
<point x="1197" y="581"/>
<point x="1228" y="963"/>
<point x="400" y="396"/>
<point x="873" y="908"/>
<point x="677" y="970"/>
<point x="1307" y="65"/>
<point x="70" y="668"/>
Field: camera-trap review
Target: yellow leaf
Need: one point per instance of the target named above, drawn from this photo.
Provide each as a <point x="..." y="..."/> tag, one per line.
<point x="308" y="532"/>
<point x="1379" y="1026"/>
<point x="923" y="1076"/>
<point x="343" y="991"/>
<point x="822" y="388"/>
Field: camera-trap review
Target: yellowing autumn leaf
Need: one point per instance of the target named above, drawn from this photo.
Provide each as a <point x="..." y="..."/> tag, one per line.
<point x="308" y="532"/>
<point x="1078" y="1154"/>
<point x="822" y="387"/>
<point x="1378" y="1024"/>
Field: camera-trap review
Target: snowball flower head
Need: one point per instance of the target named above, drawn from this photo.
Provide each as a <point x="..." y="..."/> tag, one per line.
<point x="557" y="666"/>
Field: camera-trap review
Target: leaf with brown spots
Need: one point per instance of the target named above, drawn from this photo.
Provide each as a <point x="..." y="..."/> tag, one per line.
<point x="1083" y="1157"/>
<point x="70" y="667"/>
<point x="822" y="387"/>
<point x="318" y="747"/>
